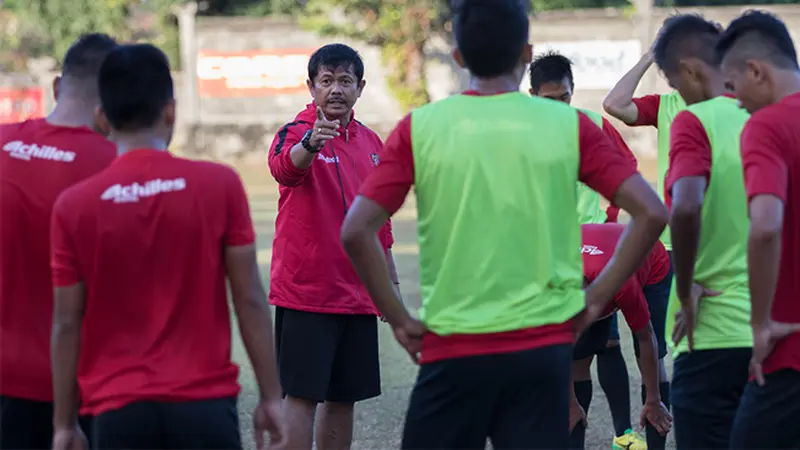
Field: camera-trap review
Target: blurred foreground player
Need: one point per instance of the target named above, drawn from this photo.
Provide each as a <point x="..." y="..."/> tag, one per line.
<point x="599" y="244"/>
<point x="709" y="227"/>
<point x="41" y="158"/>
<point x="760" y="63"/>
<point x="500" y="275"/>
<point x="140" y="256"/>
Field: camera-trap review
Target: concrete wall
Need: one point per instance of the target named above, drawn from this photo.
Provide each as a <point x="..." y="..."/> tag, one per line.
<point x="231" y="124"/>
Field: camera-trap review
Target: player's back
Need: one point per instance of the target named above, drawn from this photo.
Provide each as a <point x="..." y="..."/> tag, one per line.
<point x="38" y="161"/>
<point x="150" y="234"/>
<point x="599" y="243"/>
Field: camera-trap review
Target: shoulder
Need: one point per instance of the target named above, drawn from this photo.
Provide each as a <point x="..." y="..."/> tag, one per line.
<point x="82" y="194"/>
<point x="368" y="133"/>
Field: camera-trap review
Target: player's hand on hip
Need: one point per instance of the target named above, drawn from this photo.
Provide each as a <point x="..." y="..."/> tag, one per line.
<point x="658" y="416"/>
<point x="764" y="339"/>
<point x="69" y="439"/>
<point x="324" y="129"/>
<point x="409" y="336"/>
<point x="686" y="317"/>
<point x="268" y="419"/>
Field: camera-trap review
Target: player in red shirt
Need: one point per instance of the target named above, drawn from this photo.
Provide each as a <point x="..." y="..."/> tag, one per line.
<point x="444" y="412"/>
<point x="760" y="64"/>
<point x="551" y="77"/>
<point x="140" y="256"/>
<point x="41" y="158"/>
<point x="599" y="243"/>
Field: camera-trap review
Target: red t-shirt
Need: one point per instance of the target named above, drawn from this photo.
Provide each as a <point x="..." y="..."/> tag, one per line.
<point x="613" y="212"/>
<point x="146" y="237"/>
<point x="771" y="158"/>
<point x="602" y="167"/>
<point x="38" y="162"/>
<point x="647" y="107"/>
<point x="599" y="243"/>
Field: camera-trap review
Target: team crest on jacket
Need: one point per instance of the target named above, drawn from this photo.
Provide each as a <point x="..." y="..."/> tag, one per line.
<point x="375" y="158"/>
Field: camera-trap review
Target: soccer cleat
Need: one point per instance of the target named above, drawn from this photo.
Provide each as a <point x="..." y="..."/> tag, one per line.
<point x="630" y="440"/>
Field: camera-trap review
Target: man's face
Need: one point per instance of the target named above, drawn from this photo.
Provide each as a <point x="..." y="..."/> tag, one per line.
<point x="748" y="82"/>
<point x="691" y="80"/>
<point x="336" y="90"/>
<point x="560" y="92"/>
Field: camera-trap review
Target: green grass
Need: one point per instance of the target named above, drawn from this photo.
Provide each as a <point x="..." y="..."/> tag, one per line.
<point x="379" y="422"/>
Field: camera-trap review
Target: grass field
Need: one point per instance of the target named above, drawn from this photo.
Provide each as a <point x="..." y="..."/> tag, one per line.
<point x="379" y="421"/>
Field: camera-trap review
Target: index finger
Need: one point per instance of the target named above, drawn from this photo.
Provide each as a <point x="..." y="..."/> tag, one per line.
<point x="320" y="114"/>
<point x="758" y="373"/>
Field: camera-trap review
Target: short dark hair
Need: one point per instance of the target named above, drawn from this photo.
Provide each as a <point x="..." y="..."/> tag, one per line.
<point x="685" y="36"/>
<point x="85" y="56"/>
<point x="333" y="56"/>
<point x="135" y="85"/>
<point x="491" y="35"/>
<point x="759" y="35"/>
<point x="550" y="67"/>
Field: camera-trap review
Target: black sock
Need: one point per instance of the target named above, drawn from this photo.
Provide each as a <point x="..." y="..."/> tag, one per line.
<point x="654" y="440"/>
<point x="583" y="392"/>
<point x="613" y="376"/>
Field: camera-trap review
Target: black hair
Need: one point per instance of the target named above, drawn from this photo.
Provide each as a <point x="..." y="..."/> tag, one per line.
<point x="135" y="85"/>
<point x="685" y="36"/>
<point x="550" y="67"/>
<point x="334" y="56"/>
<point x="86" y="54"/>
<point x="759" y="35"/>
<point x="491" y="35"/>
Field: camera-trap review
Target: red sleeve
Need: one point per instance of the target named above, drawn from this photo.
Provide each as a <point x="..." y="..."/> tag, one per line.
<point x="633" y="304"/>
<point x="765" y="169"/>
<point x="689" y="150"/>
<point x="612" y="212"/>
<point x="602" y="166"/>
<point x="240" y="229"/>
<point x="647" y="108"/>
<point x="279" y="158"/>
<point x="63" y="259"/>
<point x="389" y="184"/>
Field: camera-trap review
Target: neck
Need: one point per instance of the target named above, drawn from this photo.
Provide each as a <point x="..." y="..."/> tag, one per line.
<point x="72" y="114"/>
<point x="496" y="85"/>
<point x="344" y="120"/>
<point x="132" y="141"/>
<point x="788" y="84"/>
<point x="717" y="85"/>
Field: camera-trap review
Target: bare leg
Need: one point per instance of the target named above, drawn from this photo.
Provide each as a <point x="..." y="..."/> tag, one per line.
<point x="335" y="426"/>
<point x="299" y="414"/>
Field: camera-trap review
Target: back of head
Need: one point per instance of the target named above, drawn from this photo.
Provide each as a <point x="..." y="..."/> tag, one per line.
<point x="685" y="36"/>
<point x="758" y="35"/>
<point x="491" y="35"/>
<point x="83" y="60"/>
<point x="135" y="86"/>
<point x="551" y="67"/>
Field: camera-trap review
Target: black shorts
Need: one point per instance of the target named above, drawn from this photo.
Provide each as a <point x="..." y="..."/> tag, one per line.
<point x="516" y="400"/>
<point x="768" y="415"/>
<point x="593" y="340"/>
<point x="327" y="357"/>
<point x="657" y="296"/>
<point x="28" y="424"/>
<point x="706" y="388"/>
<point x="206" y="424"/>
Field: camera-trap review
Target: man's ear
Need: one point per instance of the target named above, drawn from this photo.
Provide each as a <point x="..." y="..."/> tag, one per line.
<point x="101" y="124"/>
<point x="527" y="54"/>
<point x="170" y="113"/>
<point x="310" y="85"/>
<point x="361" y="87"/>
<point x="459" y="58"/>
<point x="755" y="70"/>
<point x="56" y="87"/>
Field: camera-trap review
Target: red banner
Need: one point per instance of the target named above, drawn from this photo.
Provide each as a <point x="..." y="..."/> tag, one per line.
<point x="18" y="104"/>
<point x="253" y="73"/>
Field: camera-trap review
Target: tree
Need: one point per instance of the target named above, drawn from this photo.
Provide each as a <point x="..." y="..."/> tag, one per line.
<point x="401" y="28"/>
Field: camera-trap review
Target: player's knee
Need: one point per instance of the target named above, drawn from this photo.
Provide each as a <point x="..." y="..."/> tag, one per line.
<point x="612" y="343"/>
<point x="581" y="369"/>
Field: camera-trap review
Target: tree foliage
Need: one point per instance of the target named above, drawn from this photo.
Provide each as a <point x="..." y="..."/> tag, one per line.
<point x="401" y="28"/>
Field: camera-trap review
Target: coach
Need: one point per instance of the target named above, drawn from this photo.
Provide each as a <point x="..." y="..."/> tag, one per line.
<point x="326" y="325"/>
